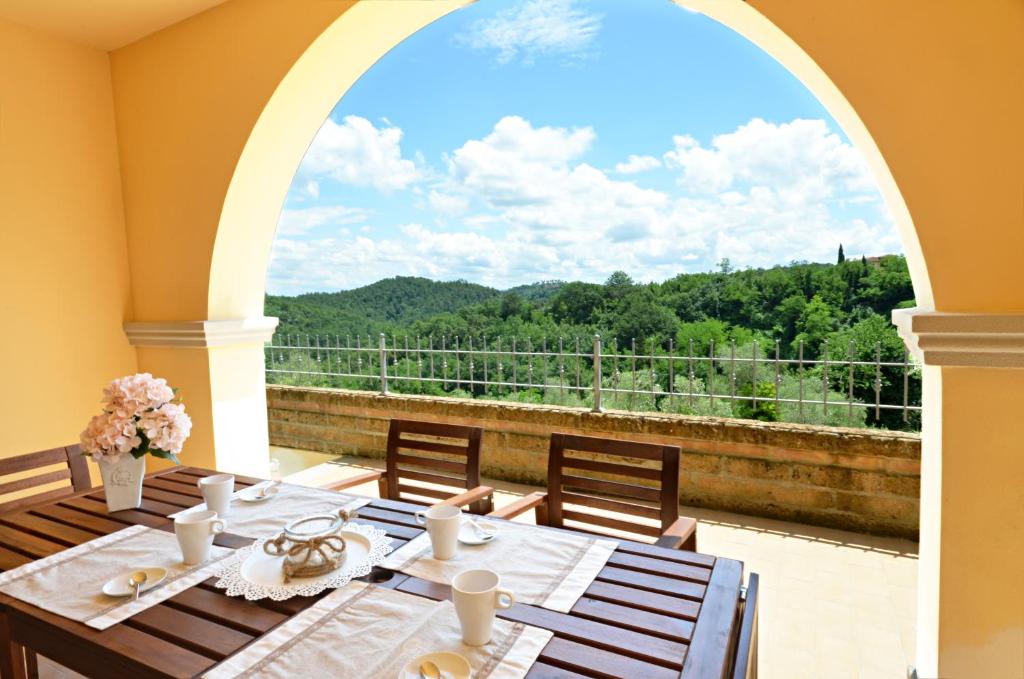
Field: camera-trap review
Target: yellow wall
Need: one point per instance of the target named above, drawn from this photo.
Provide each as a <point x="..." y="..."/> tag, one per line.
<point x="187" y="99"/>
<point x="63" y="268"/>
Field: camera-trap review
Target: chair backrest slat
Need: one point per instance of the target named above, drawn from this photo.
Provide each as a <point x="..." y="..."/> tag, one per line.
<point x="612" y="505"/>
<point x="431" y="452"/>
<point x="578" y="488"/>
<point x="74" y="476"/>
<point x="612" y="468"/>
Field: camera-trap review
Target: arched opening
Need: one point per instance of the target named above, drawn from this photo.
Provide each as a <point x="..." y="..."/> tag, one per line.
<point x="301" y="101"/>
<point x="356" y="39"/>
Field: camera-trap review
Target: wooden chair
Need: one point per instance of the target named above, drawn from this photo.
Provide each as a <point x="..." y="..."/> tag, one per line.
<point x="745" y="663"/>
<point x="453" y="462"/>
<point x="74" y="478"/>
<point x="674" y="532"/>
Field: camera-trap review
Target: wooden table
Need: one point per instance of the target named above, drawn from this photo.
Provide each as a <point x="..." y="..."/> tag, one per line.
<point x="651" y="613"/>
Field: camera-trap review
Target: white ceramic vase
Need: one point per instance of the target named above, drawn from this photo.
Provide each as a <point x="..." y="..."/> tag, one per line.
<point x="122" y="482"/>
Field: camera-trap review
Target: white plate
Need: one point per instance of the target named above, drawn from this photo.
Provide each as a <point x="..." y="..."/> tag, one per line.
<point x="121" y="585"/>
<point x="470" y="536"/>
<point x="452" y="666"/>
<point x="268" y="571"/>
<point x="252" y="493"/>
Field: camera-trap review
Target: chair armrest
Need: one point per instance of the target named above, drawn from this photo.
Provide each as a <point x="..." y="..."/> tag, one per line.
<point x="356" y="480"/>
<point x="680" y="535"/>
<point x="523" y="504"/>
<point x="469" y="497"/>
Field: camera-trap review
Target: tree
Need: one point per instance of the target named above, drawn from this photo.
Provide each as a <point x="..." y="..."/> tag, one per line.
<point x="640" y="317"/>
<point x="842" y="257"/>
<point x="577" y="303"/>
<point x="815" y="324"/>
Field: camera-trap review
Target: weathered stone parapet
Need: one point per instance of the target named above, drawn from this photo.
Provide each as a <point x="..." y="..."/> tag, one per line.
<point x="858" y="479"/>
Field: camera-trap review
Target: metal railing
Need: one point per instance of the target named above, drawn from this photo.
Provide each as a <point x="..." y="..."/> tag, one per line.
<point x="747" y="381"/>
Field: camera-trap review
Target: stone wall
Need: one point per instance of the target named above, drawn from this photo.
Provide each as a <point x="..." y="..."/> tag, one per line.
<point x="857" y="479"/>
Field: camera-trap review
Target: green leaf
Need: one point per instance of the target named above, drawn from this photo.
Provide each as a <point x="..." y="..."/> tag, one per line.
<point x="163" y="454"/>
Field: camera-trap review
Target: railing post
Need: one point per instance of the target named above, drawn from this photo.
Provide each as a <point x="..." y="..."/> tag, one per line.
<point x="597" y="374"/>
<point x="383" y="365"/>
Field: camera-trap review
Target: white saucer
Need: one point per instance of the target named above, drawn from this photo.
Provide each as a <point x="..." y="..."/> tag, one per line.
<point x="252" y="493"/>
<point x="452" y="666"/>
<point x="470" y="536"/>
<point x="122" y="586"/>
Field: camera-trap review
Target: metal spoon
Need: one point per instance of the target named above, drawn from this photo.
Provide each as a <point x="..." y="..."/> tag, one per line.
<point x="137" y="580"/>
<point x="481" y="531"/>
<point x="429" y="670"/>
<point x="263" y="490"/>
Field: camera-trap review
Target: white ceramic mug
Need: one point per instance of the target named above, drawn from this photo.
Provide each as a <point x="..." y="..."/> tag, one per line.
<point x="477" y="596"/>
<point x="442" y="522"/>
<point x="195" y="532"/>
<point x="217" y="490"/>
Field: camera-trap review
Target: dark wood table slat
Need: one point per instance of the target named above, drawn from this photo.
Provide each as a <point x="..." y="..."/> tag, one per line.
<point x="646" y="622"/>
<point x="601" y="663"/>
<point x="189" y="490"/>
<point x="47" y="529"/>
<point x="99" y="525"/>
<point x="196" y="473"/>
<point x="542" y="670"/>
<point x="645" y="564"/>
<point x="245" y="616"/>
<point x="155" y="508"/>
<point x="652" y="583"/>
<point x="190" y="631"/>
<point x="29" y="545"/>
<point x="9" y="559"/>
<point x="647" y="601"/>
<point x="128" y="517"/>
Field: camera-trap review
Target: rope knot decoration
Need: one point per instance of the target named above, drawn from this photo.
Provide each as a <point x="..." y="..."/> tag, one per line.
<point x="312" y="556"/>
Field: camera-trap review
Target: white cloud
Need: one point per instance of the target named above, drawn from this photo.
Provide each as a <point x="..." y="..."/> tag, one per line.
<point x="294" y="222"/>
<point x="535" y="28"/>
<point x="532" y="209"/>
<point x="312" y="189"/>
<point x="355" y="152"/>
<point x="801" y="160"/>
<point x="448" y="203"/>
<point x="635" y="164"/>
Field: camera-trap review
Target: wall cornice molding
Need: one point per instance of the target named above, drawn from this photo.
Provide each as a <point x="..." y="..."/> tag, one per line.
<point x="962" y="339"/>
<point x="200" y="334"/>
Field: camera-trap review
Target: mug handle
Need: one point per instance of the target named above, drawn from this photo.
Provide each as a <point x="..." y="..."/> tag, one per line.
<point x="503" y="598"/>
<point x="199" y="484"/>
<point x="218" y="526"/>
<point x="421" y="518"/>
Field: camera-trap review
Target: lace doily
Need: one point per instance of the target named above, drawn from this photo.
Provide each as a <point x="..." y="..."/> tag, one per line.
<point x="232" y="579"/>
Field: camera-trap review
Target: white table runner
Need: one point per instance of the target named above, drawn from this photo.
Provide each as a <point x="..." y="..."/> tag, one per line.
<point x="260" y="519"/>
<point x="542" y="567"/>
<point x="366" y="631"/>
<point x="70" y="583"/>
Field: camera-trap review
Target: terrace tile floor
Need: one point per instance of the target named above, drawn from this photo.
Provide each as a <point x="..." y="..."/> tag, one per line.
<point x="833" y="603"/>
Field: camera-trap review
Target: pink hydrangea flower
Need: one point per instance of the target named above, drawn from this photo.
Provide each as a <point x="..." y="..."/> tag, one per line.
<point x="133" y="406"/>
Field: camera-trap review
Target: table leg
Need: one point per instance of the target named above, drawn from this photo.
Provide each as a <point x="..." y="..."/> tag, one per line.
<point x="12" y="655"/>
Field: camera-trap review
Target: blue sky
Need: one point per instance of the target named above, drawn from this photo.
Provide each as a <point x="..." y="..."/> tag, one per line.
<point x="523" y="140"/>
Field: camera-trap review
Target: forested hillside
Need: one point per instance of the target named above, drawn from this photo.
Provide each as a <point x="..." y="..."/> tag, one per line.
<point x="794" y="308"/>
